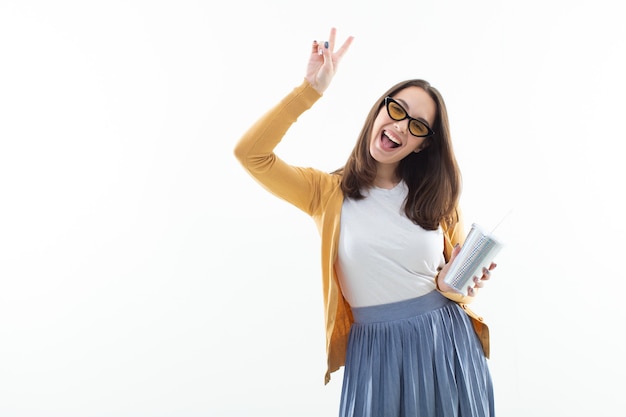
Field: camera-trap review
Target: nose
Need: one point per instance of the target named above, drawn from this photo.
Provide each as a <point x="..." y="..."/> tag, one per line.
<point x="401" y="126"/>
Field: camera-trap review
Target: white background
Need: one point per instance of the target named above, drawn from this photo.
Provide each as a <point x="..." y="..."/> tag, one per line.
<point x="143" y="273"/>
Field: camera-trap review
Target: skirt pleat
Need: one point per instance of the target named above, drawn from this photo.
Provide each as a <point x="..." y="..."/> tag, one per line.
<point x="415" y="358"/>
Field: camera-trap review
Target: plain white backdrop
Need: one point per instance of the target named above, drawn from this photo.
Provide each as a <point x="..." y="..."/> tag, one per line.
<point x="143" y="273"/>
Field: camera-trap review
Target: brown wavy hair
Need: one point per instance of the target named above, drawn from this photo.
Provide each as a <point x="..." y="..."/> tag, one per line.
<point x="432" y="175"/>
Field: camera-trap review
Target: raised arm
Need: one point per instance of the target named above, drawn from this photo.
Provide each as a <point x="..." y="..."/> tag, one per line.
<point x="255" y="149"/>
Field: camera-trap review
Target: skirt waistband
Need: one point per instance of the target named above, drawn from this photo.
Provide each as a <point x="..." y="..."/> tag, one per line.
<point x="401" y="309"/>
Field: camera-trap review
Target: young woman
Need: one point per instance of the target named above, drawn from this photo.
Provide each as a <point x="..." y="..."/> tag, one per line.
<point x="390" y="227"/>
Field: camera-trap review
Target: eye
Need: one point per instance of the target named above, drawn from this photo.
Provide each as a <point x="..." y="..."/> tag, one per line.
<point x="396" y="111"/>
<point x="418" y="128"/>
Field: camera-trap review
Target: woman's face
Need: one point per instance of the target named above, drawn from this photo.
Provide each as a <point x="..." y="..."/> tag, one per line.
<point x="391" y="140"/>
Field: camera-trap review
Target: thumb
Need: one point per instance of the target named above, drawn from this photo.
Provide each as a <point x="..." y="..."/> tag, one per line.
<point x="327" y="55"/>
<point x="455" y="251"/>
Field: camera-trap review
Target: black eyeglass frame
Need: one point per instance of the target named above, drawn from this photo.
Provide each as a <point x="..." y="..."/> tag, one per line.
<point x="429" y="132"/>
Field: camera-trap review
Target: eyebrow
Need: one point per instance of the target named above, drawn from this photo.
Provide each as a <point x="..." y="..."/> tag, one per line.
<point x="405" y="104"/>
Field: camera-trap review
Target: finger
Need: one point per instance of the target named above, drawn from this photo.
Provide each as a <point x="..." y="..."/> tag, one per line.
<point x="470" y="291"/>
<point x="455" y="252"/>
<point x="320" y="48"/>
<point x="315" y="47"/>
<point x="344" y="48"/>
<point x="486" y="274"/>
<point x="325" y="51"/>
<point x="331" y="38"/>
<point x="492" y="266"/>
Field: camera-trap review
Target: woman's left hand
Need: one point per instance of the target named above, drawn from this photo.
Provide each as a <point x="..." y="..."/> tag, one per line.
<point x="479" y="282"/>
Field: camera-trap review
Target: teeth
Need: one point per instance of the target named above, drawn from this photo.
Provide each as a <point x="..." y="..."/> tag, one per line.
<point x="391" y="138"/>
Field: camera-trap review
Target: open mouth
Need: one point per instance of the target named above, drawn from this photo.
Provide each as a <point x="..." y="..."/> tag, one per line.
<point x="388" y="141"/>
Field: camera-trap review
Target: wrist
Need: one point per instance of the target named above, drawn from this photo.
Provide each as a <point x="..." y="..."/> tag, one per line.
<point x="440" y="284"/>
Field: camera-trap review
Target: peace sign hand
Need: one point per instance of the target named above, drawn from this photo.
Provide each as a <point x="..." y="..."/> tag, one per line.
<point x="324" y="61"/>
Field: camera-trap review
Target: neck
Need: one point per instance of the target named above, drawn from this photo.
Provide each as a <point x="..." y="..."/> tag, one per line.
<point x="386" y="177"/>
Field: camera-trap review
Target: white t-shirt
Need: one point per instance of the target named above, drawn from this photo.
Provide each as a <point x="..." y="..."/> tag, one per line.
<point x="383" y="256"/>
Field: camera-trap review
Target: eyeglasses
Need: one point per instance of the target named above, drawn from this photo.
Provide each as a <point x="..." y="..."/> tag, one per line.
<point x="416" y="127"/>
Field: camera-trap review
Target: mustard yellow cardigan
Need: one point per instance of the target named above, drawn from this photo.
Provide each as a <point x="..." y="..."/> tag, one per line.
<point x="319" y="194"/>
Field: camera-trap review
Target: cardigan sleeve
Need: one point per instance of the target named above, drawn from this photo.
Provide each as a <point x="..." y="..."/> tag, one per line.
<point x="255" y="151"/>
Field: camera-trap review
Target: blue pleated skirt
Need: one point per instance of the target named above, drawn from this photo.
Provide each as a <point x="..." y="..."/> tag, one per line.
<point x="415" y="358"/>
